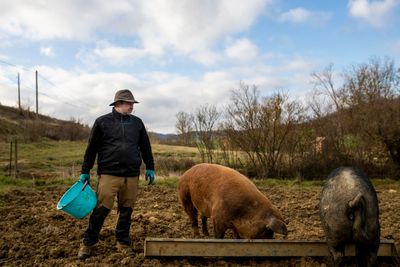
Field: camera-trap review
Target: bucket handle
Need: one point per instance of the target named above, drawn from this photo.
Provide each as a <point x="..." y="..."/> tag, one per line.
<point x="83" y="187"/>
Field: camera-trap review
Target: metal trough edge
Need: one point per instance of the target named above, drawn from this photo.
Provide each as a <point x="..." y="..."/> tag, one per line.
<point x="180" y="247"/>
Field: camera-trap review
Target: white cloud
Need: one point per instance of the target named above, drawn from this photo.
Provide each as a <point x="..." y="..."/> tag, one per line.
<point x="196" y="25"/>
<point x="3" y="57"/>
<point x="242" y="50"/>
<point x="47" y="51"/>
<point x="375" y="13"/>
<point x="302" y="15"/>
<point x="118" y="55"/>
<point x="162" y="95"/>
<point x="182" y="26"/>
<point x="68" y="19"/>
<point x="295" y="15"/>
<point x="8" y="95"/>
<point x="299" y="64"/>
<point x="206" y="57"/>
<point x="395" y="47"/>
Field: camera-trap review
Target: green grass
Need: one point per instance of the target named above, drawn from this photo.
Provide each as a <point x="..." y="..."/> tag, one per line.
<point x="59" y="163"/>
<point x="50" y="157"/>
<point x="167" y="150"/>
<point x="384" y="182"/>
<point x="286" y="182"/>
<point x="63" y="159"/>
<point x="8" y="183"/>
<point x="170" y="182"/>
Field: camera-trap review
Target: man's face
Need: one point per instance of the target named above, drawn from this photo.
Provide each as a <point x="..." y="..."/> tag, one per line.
<point x="124" y="107"/>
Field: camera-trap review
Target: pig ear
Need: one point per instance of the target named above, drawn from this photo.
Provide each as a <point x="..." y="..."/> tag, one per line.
<point x="277" y="226"/>
<point x="356" y="201"/>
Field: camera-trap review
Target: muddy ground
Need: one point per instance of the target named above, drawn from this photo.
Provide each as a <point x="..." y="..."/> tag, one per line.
<point x="34" y="233"/>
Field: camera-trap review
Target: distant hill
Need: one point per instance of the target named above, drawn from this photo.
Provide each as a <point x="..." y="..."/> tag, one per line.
<point x="25" y="125"/>
<point x="163" y="138"/>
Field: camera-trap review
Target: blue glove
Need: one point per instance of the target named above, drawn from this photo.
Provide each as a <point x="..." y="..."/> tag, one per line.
<point x="84" y="177"/>
<point x="150" y="175"/>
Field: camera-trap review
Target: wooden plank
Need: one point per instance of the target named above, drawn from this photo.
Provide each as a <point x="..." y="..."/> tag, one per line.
<point x="175" y="247"/>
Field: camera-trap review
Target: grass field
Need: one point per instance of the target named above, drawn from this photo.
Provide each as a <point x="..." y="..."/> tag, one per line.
<point x="59" y="162"/>
<point x="64" y="158"/>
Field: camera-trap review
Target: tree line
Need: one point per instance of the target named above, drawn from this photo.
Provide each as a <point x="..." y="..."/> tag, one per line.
<point x="351" y="118"/>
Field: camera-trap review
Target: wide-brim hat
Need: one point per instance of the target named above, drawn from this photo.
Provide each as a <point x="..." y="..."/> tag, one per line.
<point x="124" y="95"/>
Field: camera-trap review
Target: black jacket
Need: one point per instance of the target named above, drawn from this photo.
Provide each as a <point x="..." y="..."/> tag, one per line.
<point x="120" y="142"/>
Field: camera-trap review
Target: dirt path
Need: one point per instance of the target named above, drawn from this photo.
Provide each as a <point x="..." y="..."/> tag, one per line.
<point x="34" y="233"/>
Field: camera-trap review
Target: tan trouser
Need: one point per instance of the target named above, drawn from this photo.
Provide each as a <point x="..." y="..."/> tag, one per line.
<point x="125" y="188"/>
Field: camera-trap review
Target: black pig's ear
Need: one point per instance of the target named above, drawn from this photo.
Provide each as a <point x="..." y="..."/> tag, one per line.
<point x="359" y="199"/>
<point x="277" y="226"/>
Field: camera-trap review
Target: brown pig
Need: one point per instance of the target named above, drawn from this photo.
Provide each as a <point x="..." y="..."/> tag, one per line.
<point x="231" y="200"/>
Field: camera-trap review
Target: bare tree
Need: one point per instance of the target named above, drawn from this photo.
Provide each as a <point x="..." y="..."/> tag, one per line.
<point x="373" y="97"/>
<point x="365" y="120"/>
<point x="205" y="121"/>
<point x="324" y="85"/>
<point x="184" y="127"/>
<point x="260" y="128"/>
<point x="371" y="81"/>
<point x="241" y="127"/>
<point x="280" y="117"/>
<point x="328" y="99"/>
<point x="229" y="153"/>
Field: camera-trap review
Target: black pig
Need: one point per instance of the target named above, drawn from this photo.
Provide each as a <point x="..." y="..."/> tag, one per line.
<point x="350" y="215"/>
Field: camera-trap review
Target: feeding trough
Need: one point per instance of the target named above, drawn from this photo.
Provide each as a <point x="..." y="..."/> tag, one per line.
<point x="179" y="247"/>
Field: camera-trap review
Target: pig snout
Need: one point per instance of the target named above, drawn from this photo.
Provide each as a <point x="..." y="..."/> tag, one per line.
<point x="277" y="226"/>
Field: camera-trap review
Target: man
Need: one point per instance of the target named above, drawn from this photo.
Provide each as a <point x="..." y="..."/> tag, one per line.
<point x="120" y="142"/>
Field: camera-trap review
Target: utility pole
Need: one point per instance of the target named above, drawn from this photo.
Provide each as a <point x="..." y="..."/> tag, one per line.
<point x="37" y="93"/>
<point x="19" y="94"/>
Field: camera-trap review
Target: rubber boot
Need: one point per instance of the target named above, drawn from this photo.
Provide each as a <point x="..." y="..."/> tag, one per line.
<point x="85" y="251"/>
<point x="96" y="220"/>
<point x="123" y="226"/>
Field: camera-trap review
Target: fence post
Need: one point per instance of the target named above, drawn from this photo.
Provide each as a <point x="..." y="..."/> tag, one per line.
<point x="16" y="158"/>
<point x="11" y="152"/>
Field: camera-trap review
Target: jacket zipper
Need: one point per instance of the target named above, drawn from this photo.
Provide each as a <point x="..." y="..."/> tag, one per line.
<point x="123" y="136"/>
<point x="123" y="130"/>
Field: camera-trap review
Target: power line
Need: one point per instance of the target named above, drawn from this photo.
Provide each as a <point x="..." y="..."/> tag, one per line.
<point x="52" y="97"/>
<point x="52" y="84"/>
<point x="41" y="93"/>
<point x="72" y="98"/>
<point x="7" y="63"/>
<point x="31" y="89"/>
<point x="13" y="65"/>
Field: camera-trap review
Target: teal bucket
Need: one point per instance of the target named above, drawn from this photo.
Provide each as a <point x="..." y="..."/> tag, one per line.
<point x="78" y="201"/>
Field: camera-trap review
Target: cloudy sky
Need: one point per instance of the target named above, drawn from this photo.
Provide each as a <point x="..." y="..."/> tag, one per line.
<point x="176" y="55"/>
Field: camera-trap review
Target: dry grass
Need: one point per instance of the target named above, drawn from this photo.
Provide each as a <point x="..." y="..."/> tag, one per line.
<point x="63" y="159"/>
